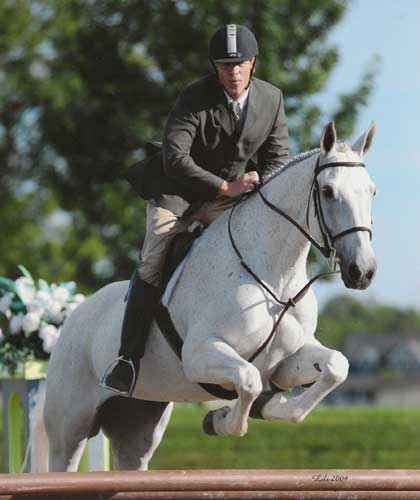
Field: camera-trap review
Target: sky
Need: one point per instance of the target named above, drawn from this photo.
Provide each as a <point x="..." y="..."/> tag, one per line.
<point x="391" y="30"/>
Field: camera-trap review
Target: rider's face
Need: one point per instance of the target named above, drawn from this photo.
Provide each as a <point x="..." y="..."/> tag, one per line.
<point x="235" y="76"/>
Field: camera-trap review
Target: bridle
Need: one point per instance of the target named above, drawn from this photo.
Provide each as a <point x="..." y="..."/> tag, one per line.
<point x="327" y="249"/>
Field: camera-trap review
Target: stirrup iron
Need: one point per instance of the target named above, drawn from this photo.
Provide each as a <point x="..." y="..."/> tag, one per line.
<point x="109" y="368"/>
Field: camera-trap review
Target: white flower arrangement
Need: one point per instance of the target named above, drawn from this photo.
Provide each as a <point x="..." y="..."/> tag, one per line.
<point x="31" y="315"/>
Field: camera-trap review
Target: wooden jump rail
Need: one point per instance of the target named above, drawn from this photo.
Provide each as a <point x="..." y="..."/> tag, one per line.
<point x="216" y="485"/>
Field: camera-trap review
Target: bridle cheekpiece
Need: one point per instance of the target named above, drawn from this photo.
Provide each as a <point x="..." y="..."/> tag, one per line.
<point x="328" y="250"/>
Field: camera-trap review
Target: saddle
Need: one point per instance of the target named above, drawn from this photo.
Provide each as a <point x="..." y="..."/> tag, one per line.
<point x="176" y="251"/>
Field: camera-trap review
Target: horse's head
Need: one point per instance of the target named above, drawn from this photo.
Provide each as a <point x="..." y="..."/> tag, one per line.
<point x="345" y="193"/>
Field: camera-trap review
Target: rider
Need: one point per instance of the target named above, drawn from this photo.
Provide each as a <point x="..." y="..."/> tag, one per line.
<point x="226" y="130"/>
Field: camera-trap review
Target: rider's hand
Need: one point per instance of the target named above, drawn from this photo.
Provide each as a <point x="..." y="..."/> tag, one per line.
<point x="244" y="183"/>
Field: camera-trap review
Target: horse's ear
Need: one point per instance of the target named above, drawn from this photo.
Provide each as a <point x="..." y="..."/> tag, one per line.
<point x="364" y="142"/>
<point x="329" y="138"/>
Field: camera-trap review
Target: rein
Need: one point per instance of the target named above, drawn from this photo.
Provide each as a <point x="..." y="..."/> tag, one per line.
<point x="328" y="250"/>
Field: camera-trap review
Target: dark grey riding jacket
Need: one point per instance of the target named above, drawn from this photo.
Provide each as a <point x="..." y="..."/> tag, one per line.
<point x="201" y="147"/>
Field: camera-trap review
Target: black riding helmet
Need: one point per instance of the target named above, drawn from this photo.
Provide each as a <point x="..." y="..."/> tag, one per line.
<point x="233" y="43"/>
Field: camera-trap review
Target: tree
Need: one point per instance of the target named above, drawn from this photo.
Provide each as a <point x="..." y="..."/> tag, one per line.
<point x="104" y="75"/>
<point x="20" y="142"/>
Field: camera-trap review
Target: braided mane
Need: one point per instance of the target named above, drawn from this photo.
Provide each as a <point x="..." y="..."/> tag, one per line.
<point x="291" y="162"/>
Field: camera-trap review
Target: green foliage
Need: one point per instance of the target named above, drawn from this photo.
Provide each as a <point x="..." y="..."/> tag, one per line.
<point x="86" y="84"/>
<point x="344" y="315"/>
<point x="329" y="438"/>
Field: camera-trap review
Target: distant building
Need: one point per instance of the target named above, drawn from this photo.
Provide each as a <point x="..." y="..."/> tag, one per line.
<point x="384" y="370"/>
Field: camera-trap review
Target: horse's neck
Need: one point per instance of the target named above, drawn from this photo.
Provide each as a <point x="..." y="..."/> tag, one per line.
<point x="279" y="250"/>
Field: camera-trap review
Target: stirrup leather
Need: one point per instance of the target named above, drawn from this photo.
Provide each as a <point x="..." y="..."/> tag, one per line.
<point x="109" y="368"/>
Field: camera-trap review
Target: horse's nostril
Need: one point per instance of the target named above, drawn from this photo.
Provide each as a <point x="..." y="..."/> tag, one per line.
<point x="355" y="272"/>
<point x="370" y="274"/>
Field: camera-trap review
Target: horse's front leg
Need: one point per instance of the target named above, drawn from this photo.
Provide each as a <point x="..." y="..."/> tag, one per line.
<point x="313" y="364"/>
<point x="214" y="361"/>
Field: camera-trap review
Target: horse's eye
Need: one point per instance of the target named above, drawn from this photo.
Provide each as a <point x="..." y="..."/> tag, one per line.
<point x="328" y="192"/>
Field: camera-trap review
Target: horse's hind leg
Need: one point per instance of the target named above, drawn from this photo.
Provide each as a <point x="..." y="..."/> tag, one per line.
<point x="135" y="429"/>
<point x="68" y="431"/>
<point x="214" y="361"/>
<point x="313" y="364"/>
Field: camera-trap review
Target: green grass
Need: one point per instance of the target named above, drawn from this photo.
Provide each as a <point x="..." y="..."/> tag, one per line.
<point x="329" y="438"/>
<point x="332" y="438"/>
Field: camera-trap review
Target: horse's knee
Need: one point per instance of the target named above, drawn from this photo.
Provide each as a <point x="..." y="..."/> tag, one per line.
<point x="337" y="367"/>
<point x="248" y="381"/>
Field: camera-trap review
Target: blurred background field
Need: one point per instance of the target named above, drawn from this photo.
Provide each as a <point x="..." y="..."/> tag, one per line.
<point x="336" y="438"/>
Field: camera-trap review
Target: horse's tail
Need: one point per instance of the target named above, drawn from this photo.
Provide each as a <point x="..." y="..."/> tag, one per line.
<point x="38" y="449"/>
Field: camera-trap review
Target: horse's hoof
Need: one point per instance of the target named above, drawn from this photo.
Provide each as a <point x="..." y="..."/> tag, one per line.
<point x="208" y="426"/>
<point x="208" y="422"/>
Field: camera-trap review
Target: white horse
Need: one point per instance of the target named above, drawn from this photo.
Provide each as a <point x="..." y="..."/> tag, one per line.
<point x="224" y="316"/>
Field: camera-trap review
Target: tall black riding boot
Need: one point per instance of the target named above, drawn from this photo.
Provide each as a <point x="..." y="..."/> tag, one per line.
<point x="142" y="299"/>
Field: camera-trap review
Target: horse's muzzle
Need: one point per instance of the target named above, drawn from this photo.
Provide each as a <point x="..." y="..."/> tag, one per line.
<point x="357" y="276"/>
